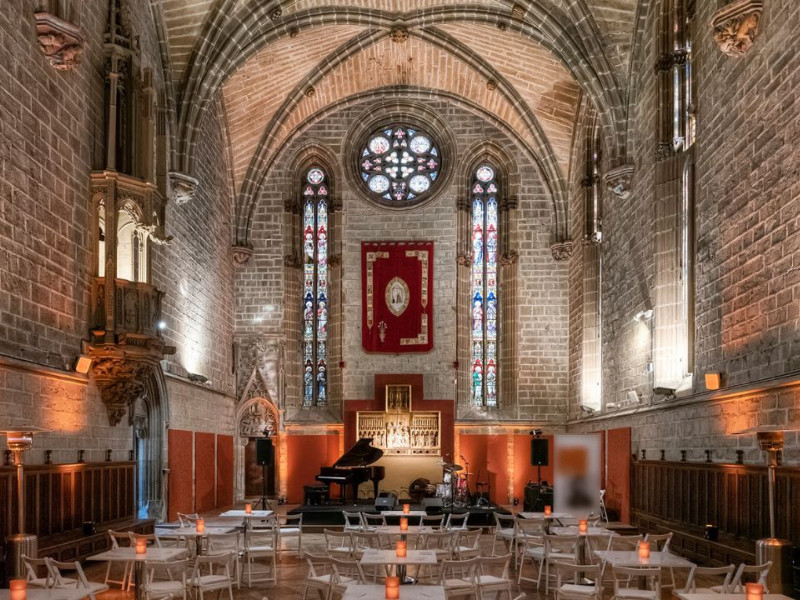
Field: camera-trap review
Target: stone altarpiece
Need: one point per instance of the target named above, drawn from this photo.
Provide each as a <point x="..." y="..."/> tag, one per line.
<point x="399" y="429"/>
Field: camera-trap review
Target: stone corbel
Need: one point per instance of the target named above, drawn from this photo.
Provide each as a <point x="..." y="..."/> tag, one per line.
<point x="619" y="181"/>
<point x="61" y="41"/>
<point x="121" y="383"/>
<point x="464" y="260"/>
<point x="182" y="187"/>
<point x="292" y="261"/>
<point x="735" y="26"/>
<point x="561" y="250"/>
<point x="242" y="254"/>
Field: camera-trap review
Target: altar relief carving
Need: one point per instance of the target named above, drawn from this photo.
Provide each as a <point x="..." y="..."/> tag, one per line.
<point x="399" y="430"/>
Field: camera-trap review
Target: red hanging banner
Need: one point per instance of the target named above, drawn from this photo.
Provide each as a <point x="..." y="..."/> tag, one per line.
<point x="397" y="296"/>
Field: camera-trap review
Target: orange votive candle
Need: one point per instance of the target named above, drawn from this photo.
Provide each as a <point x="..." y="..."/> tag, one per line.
<point x="403" y="524"/>
<point x="141" y="545"/>
<point x="644" y="549"/>
<point x="248" y="509"/>
<point x="583" y="526"/>
<point x="200" y="525"/>
<point x="406" y="509"/>
<point x="18" y="589"/>
<point x="548" y="510"/>
<point x="753" y="591"/>
<point x="401" y="548"/>
<point x="392" y="588"/>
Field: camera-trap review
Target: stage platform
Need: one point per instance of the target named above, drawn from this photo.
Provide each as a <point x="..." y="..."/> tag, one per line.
<point x="331" y="514"/>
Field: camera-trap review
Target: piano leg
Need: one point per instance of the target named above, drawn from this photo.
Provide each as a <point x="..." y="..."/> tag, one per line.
<point x="375" y="488"/>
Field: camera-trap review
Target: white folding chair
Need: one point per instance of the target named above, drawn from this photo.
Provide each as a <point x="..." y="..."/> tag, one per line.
<point x="559" y="548"/>
<point x="660" y="542"/>
<point x="59" y="581"/>
<point x="262" y="543"/>
<point x="174" y="586"/>
<point x="291" y="527"/>
<point x="120" y="539"/>
<point x="373" y="520"/>
<point x="212" y="573"/>
<point x="346" y="571"/>
<point x="756" y="573"/>
<point x="320" y="577"/>
<point x="459" y="578"/>
<point x="494" y="577"/>
<point x="708" y="573"/>
<point x="456" y="521"/>
<point x="505" y="531"/>
<point x="225" y="543"/>
<point x="530" y="546"/>
<point x="569" y="582"/>
<point x="626" y="583"/>
<point x="468" y="543"/>
<point x="353" y="521"/>
<point x="33" y="567"/>
<point x="603" y="511"/>
<point x="338" y="544"/>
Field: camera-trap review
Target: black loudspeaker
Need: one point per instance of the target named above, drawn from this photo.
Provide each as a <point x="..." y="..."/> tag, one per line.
<point x="265" y="453"/>
<point x="539" y="455"/>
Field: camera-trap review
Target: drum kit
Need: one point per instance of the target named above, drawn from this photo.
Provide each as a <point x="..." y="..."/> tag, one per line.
<point x="454" y="489"/>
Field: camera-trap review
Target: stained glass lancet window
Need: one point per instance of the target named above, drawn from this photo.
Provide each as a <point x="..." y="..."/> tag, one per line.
<point x="315" y="287"/>
<point x="484" y="360"/>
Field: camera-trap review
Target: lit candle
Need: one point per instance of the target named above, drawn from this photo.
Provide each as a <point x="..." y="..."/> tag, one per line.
<point x="644" y="549"/>
<point x="406" y="509"/>
<point x="401" y="548"/>
<point x="200" y="525"/>
<point x="583" y="526"/>
<point x="248" y="509"/>
<point x="403" y="524"/>
<point x="18" y="589"/>
<point x="141" y="545"/>
<point x="392" y="588"/>
<point x="548" y="510"/>
<point x="754" y="591"/>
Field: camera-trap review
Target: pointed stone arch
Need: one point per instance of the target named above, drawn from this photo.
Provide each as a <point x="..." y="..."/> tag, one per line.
<point x="258" y="417"/>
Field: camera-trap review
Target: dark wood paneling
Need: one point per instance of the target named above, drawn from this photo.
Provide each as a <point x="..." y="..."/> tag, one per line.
<point x="59" y="498"/>
<point x="684" y="497"/>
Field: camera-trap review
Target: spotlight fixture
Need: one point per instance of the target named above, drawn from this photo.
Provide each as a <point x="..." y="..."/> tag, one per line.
<point x="162" y="325"/>
<point x="197" y="378"/>
<point x="587" y="409"/>
<point x="632" y="397"/>
<point x="664" y="391"/>
<point x="83" y="364"/>
<point x="643" y="315"/>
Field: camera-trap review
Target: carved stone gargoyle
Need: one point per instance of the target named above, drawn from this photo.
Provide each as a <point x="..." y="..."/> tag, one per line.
<point x="62" y="42"/>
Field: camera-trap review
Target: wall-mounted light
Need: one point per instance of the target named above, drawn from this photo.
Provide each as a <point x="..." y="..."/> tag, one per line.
<point x="587" y="409"/>
<point x="162" y="325"/>
<point x="632" y="397"/>
<point x="83" y="364"/>
<point x="664" y="391"/>
<point x="197" y="378"/>
<point x="713" y="381"/>
<point x="643" y="315"/>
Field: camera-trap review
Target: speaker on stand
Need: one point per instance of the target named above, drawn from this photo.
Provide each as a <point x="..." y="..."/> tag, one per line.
<point x="265" y="456"/>
<point x="539" y="453"/>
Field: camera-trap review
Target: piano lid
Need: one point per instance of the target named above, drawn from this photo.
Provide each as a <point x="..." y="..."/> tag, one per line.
<point x="360" y="455"/>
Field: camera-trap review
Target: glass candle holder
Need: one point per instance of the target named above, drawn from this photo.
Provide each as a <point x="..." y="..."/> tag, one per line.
<point x="248" y="509"/>
<point x="141" y="545"/>
<point x="18" y="589"/>
<point x="753" y="591"/>
<point x="392" y="588"/>
<point x="548" y="510"/>
<point x="403" y="524"/>
<point x="583" y="526"/>
<point x="401" y="548"/>
<point x="644" y="549"/>
<point x="200" y="525"/>
<point x="406" y="509"/>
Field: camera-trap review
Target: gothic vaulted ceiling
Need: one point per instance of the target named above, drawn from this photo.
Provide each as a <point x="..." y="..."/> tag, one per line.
<point x="527" y="64"/>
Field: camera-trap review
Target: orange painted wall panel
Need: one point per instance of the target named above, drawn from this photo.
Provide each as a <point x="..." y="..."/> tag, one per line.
<point x="181" y="476"/>
<point x="618" y="481"/>
<point x="205" y="472"/>
<point x="224" y="470"/>
<point x="306" y="455"/>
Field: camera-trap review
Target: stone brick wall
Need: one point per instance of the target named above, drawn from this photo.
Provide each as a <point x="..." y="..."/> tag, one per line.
<point x="747" y="275"/>
<point x="542" y="299"/>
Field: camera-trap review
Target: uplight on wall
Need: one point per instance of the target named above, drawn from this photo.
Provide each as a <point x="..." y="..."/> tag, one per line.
<point x="83" y="364"/>
<point x="713" y="381"/>
<point x="643" y="315"/>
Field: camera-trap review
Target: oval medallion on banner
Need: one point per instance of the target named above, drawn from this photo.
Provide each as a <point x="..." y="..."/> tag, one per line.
<point x="397" y="296"/>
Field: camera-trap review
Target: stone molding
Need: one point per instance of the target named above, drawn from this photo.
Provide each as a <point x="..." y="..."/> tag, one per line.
<point x="241" y="255"/>
<point x="619" y="181"/>
<point x="121" y="383"/>
<point x="398" y="34"/>
<point x="61" y="41"/>
<point x="182" y="187"/>
<point x="561" y="250"/>
<point x="735" y="26"/>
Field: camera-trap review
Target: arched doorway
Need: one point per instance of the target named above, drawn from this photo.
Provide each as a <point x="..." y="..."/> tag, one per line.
<point x="147" y="416"/>
<point x="256" y="419"/>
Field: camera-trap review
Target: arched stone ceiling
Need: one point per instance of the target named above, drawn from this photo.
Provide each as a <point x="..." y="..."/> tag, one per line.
<point x="387" y="64"/>
<point x="541" y="80"/>
<point x="184" y="20"/>
<point x="259" y="87"/>
<point x="616" y="20"/>
<point x="398" y="6"/>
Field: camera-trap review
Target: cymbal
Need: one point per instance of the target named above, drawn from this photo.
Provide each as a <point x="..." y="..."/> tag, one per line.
<point x="452" y="467"/>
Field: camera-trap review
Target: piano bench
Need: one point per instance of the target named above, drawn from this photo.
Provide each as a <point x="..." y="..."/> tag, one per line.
<point x="315" y="493"/>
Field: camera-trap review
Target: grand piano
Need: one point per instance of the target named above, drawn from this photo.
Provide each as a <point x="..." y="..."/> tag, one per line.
<point x="352" y="469"/>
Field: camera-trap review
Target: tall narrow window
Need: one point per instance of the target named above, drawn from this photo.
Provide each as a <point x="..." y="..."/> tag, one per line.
<point x="484" y="238"/>
<point x="315" y="287"/>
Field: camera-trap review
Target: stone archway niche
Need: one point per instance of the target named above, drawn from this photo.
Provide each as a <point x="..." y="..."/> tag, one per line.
<point x="256" y="418"/>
